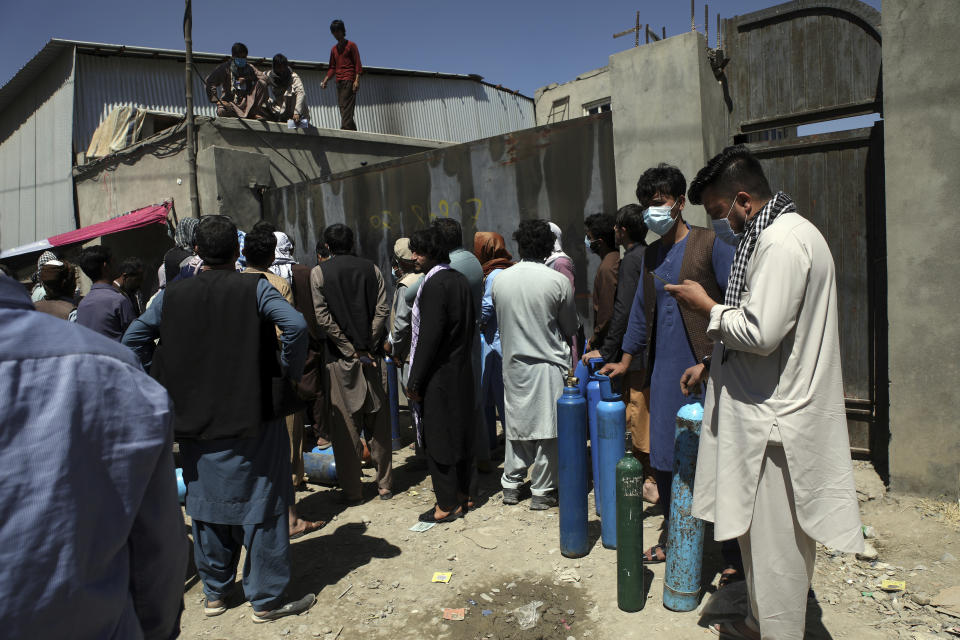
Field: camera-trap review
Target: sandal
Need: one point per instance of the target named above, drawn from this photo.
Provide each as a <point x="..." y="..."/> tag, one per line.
<point x="307" y="527"/>
<point x="655" y="554"/>
<point x="430" y="516"/>
<point x="729" y="575"/>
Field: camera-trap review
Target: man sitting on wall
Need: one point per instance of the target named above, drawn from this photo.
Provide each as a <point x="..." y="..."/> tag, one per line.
<point x="243" y="93"/>
<point x="286" y="98"/>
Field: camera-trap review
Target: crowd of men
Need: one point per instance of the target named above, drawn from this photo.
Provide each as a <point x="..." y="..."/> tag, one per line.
<point x="240" y="90"/>
<point x="241" y="347"/>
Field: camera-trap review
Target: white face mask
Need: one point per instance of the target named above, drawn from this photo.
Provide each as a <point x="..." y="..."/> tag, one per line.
<point x="659" y="219"/>
<point x="724" y="231"/>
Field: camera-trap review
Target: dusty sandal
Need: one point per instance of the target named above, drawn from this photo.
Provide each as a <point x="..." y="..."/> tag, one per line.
<point x="430" y="516"/>
<point x="655" y="554"/>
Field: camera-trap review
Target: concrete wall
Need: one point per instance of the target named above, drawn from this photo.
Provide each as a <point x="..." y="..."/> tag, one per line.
<point x="586" y="88"/>
<point x="558" y="172"/>
<point x="667" y="107"/>
<point x="922" y="156"/>
<point x="156" y="170"/>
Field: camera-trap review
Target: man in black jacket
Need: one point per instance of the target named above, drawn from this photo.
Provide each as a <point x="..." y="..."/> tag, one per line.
<point x="350" y="303"/>
<point x="217" y="344"/>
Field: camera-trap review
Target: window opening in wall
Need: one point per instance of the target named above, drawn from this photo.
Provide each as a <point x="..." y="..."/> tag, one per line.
<point x="558" y="111"/>
<point x="597" y="106"/>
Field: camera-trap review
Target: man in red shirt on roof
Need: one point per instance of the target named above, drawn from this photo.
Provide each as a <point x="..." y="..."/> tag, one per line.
<point x="345" y="63"/>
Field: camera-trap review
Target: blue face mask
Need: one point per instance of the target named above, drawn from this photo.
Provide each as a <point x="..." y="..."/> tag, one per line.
<point x="724" y="231"/>
<point x="586" y="241"/>
<point x="240" y="62"/>
<point x="659" y="219"/>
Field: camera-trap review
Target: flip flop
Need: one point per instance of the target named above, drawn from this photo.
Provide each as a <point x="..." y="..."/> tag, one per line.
<point x="430" y="516"/>
<point x="308" y="527"/>
<point x="650" y="556"/>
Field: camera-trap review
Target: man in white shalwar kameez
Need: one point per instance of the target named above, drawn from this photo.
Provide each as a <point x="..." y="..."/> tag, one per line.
<point x="774" y="466"/>
<point x="537" y="317"/>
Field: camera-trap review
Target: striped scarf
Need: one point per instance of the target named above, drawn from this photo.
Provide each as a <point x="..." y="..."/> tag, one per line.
<point x="414" y="338"/>
<point x="780" y="203"/>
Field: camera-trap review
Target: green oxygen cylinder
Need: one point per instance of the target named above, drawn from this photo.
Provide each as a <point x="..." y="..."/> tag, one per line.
<point x="630" y="578"/>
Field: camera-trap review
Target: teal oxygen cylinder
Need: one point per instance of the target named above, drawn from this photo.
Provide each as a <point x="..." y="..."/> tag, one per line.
<point x="681" y="581"/>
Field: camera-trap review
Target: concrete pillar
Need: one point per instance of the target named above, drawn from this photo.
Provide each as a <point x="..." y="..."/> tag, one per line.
<point x="667" y="107"/>
<point x="921" y="91"/>
<point x="228" y="180"/>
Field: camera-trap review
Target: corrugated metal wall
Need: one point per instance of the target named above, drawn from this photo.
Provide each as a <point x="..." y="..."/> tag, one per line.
<point x="448" y="109"/>
<point x="36" y="184"/>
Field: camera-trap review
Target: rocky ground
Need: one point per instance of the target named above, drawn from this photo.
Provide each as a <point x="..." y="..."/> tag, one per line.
<point x="374" y="577"/>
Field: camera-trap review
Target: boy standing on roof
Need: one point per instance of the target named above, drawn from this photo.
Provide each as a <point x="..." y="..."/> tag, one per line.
<point x="345" y="63"/>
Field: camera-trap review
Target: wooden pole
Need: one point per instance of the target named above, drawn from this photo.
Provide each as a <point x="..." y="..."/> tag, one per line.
<point x="693" y="19"/>
<point x="719" y="41"/>
<point x="636" y="41"/>
<point x="191" y="132"/>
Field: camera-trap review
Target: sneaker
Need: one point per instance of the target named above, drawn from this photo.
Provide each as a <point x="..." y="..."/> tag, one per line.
<point x="541" y="503"/>
<point x="294" y="608"/>
<point x="213" y="607"/>
<point x="511" y="496"/>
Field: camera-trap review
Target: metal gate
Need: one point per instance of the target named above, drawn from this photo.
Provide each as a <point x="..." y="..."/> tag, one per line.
<point x="804" y="62"/>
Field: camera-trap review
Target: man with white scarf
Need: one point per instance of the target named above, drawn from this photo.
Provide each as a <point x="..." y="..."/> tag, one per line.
<point x="774" y="466"/>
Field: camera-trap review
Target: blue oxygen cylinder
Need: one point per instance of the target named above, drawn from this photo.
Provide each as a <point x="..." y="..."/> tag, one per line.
<point x="681" y="583"/>
<point x="321" y="467"/>
<point x="181" y="487"/>
<point x="582" y="374"/>
<point x="593" y="397"/>
<point x="573" y="473"/>
<point x="393" y="393"/>
<point x="611" y="430"/>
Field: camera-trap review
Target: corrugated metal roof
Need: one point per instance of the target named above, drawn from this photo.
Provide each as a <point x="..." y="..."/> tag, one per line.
<point x="424" y="104"/>
<point x="448" y="108"/>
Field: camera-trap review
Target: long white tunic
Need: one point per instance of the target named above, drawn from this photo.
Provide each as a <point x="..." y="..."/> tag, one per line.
<point x="536" y="315"/>
<point x="782" y="369"/>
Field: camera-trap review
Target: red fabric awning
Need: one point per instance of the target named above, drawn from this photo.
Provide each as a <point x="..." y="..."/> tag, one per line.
<point x="154" y="214"/>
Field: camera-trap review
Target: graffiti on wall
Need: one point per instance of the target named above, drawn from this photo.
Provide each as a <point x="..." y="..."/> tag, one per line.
<point x="469" y="210"/>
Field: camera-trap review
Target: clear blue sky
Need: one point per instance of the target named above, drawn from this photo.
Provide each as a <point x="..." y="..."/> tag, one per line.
<point x="521" y="44"/>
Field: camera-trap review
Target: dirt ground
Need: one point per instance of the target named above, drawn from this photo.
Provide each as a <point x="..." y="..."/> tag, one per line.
<point x="373" y="576"/>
